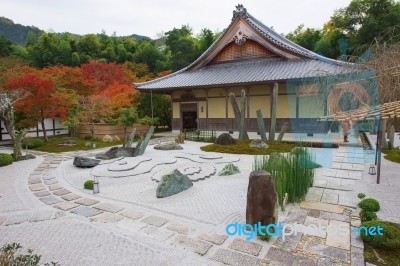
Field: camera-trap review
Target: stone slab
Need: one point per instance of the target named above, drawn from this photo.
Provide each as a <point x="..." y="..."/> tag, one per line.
<point x="37" y="187"/>
<point x="197" y="246"/>
<point x="50" y="200"/>
<point x="316" y="221"/>
<point x="357" y="256"/>
<point x="330" y="198"/>
<point x="179" y="228"/>
<point x="42" y="193"/>
<point x="41" y="216"/>
<point x="107" y="207"/>
<point x="154" y="220"/>
<point x="235" y="258"/>
<point x="66" y="206"/>
<point x="290" y="242"/>
<point x="213" y="238"/>
<point x="17" y="219"/>
<point x="296" y="215"/>
<point x="86" y="211"/>
<point x="338" y="234"/>
<point x="246" y="247"/>
<point x="55" y="187"/>
<point x="2" y="219"/>
<point x="334" y="216"/>
<point x="86" y="201"/>
<point x="314" y="213"/>
<point x="61" y="192"/>
<point x="70" y="197"/>
<point x="156" y="233"/>
<point x="356" y="240"/>
<point x="131" y="214"/>
<point x="107" y="218"/>
<point x="50" y="182"/>
<point x="130" y="225"/>
<point x="321" y="207"/>
<point x="327" y="251"/>
<point x="288" y="258"/>
<point x="34" y="181"/>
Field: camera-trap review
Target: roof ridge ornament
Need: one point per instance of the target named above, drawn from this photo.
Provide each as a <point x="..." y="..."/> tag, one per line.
<point x="240" y="11"/>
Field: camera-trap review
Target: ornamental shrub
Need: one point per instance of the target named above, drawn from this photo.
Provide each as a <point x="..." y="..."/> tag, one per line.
<point x="390" y="238"/>
<point x="32" y="143"/>
<point x="5" y="159"/>
<point x="361" y="196"/>
<point x="366" y="216"/>
<point x="371" y="205"/>
<point x="88" y="185"/>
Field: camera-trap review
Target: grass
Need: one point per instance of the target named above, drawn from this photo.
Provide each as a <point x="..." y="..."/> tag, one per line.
<point x="390" y="257"/>
<point x="242" y="147"/>
<point x="52" y="145"/>
<point x="392" y="155"/>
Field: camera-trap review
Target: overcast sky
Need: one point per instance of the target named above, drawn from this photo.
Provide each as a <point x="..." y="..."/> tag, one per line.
<point x="150" y="17"/>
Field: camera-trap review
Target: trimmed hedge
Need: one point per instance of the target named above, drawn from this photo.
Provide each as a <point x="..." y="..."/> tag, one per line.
<point x="366" y="216"/>
<point x="390" y="238"/>
<point x="32" y="143"/>
<point x="371" y="205"/>
<point x="5" y="159"/>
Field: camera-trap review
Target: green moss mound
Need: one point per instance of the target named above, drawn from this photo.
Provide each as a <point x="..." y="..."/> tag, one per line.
<point x="88" y="185"/>
<point x="370" y="205"/>
<point x="5" y="159"/>
<point x="390" y="238"/>
<point x="242" y="147"/>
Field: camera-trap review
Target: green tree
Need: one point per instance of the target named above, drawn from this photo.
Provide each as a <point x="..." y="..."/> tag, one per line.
<point x="182" y="46"/>
<point x="126" y="118"/>
<point x="161" y="108"/>
<point x="5" y="46"/>
<point x="150" y="55"/>
<point x="205" y="39"/>
<point x="306" y="38"/>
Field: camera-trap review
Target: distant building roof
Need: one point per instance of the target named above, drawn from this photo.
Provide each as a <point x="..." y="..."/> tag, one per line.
<point x="289" y="60"/>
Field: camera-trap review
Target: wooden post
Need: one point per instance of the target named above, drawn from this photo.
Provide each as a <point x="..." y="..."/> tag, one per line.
<point x="383" y="135"/>
<point x="206" y="110"/>
<point x="273" y="112"/>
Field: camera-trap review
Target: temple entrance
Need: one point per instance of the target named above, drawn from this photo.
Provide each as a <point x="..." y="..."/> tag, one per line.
<point x="189" y="116"/>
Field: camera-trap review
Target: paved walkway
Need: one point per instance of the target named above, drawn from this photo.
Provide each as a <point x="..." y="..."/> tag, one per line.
<point x="66" y="225"/>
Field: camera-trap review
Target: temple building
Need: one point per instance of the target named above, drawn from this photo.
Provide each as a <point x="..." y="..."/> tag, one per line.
<point x="251" y="56"/>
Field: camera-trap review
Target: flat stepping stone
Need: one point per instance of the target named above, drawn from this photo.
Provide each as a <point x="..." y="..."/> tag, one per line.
<point x="86" y="201"/>
<point x="70" y="197"/>
<point x="154" y="220"/>
<point x="50" y="182"/>
<point x="235" y="258"/>
<point x="213" y="238"/>
<point x="37" y="187"/>
<point x="107" y="207"/>
<point x="50" y="200"/>
<point x="156" y="233"/>
<point x="179" y="228"/>
<point x="107" y="218"/>
<point x="55" y="187"/>
<point x="334" y="239"/>
<point x="2" y="219"/>
<point x="34" y="181"/>
<point x="283" y="257"/>
<point x="41" y="216"/>
<point x="66" y="206"/>
<point x="321" y="207"/>
<point x="197" y="246"/>
<point x="128" y="163"/>
<point x="131" y="214"/>
<point x="334" y="216"/>
<point x="17" y="219"/>
<point x="61" y="192"/>
<point x="246" y="247"/>
<point x="326" y="251"/>
<point x="42" y="193"/>
<point x="86" y="211"/>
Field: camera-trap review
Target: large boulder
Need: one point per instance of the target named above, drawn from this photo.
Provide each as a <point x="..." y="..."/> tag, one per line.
<point x="168" y="146"/>
<point x="258" y="143"/>
<point x="84" y="162"/>
<point x="172" y="184"/>
<point x="225" y="139"/>
<point x="116" y="152"/>
<point x="262" y="200"/>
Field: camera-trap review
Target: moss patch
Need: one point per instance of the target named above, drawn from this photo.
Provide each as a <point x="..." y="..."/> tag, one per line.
<point x="52" y="145"/>
<point x="242" y="147"/>
<point x="392" y="155"/>
<point x="390" y="257"/>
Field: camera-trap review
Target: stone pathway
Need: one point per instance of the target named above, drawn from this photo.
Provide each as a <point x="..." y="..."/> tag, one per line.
<point x="84" y="215"/>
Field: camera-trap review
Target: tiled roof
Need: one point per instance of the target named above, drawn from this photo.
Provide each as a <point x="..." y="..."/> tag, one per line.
<point x="246" y="71"/>
<point x="249" y="70"/>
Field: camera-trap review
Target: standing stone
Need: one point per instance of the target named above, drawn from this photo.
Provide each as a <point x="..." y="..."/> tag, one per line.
<point x="383" y="134"/>
<point x="391" y="137"/>
<point x="128" y="142"/>
<point x="261" y="126"/>
<point x="274" y="100"/>
<point x="283" y="131"/>
<point x="262" y="200"/>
